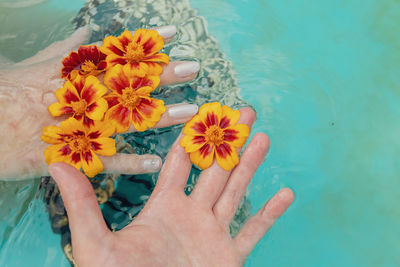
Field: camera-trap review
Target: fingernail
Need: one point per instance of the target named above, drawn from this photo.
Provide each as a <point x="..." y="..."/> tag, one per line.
<point x="187" y="68"/>
<point x="167" y="31"/>
<point x="183" y="111"/>
<point x="152" y="164"/>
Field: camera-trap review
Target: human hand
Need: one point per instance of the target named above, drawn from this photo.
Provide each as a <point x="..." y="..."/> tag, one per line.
<point x="27" y="89"/>
<point x="174" y="229"/>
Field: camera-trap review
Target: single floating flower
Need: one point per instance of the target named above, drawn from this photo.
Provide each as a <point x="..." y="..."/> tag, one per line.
<point x="77" y="145"/>
<point x="88" y="61"/>
<point x="129" y="101"/>
<point x="139" y="51"/>
<point x="214" y="132"/>
<point x="81" y="98"/>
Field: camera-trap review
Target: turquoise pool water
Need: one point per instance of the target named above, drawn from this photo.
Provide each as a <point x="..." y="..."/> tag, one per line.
<point x="324" y="77"/>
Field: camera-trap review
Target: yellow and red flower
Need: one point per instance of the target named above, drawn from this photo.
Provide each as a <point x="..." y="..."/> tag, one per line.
<point x="77" y="145"/>
<point x="88" y="61"/>
<point x="214" y="132"/>
<point x="139" y="51"/>
<point x="82" y="98"/>
<point x="129" y="101"/>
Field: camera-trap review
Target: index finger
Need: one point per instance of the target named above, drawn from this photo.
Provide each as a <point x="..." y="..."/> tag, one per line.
<point x="176" y="169"/>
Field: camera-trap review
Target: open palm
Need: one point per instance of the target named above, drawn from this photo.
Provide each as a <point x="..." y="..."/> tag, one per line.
<point x="174" y="229"/>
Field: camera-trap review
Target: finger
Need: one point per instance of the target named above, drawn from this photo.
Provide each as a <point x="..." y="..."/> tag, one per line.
<point x="176" y="169"/>
<point x="131" y="163"/>
<point x="58" y="49"/>
<point x="179" y="72"/>
<point x="252" y="157"/>
<point x="85" y="219"/>
<point x="257" y="226"/>
<point x="213" y="180"/>
<point x="175" y="114"/>
<point x="167" y="32"/>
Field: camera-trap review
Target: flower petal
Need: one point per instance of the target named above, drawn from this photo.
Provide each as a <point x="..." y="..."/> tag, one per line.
<point x="101" y="129"/>
<point x="114" y="60"/>
<point x="116" y="80"/>
<point x="57" y="109"/>
<point x="104" y="146"/>
<point x="52" y="135"/>
<point x="135" y="69"/>
<point x="151" y="40"/>
<point x="226" y="156"/>
<point x="112" y="45"/>
<point x="75" y="160"/>
<point x="120" y="116"/>
<point x="153" y="68"/>
<point x="91" y="164"/>
<point x="203" y="157"/>
<point x="150" y="81"/>
<point x="159" y="57"/>
<point x="125" y="38"/>
<point x="192" y="143"/>
<point x="145" y="91"/>
<point x="89" y="52"/>
<point x="72" y="126"/>
<point x="236" y="135"/>
<point x="67" y="93"/>
<point x="210" y="113"/>
<point x="151" y="111"/>
<point x="96" y="110"/>
<point x="229" y="117"/>
<point x="194" y="127"/>
<point x="139" y="68"/>
<point x="112" y="99"/>
<point x="78" y="81"/>
<point x="70" y="62"/>
<point x="92" y="90"/>
<point x="57" y="153"/>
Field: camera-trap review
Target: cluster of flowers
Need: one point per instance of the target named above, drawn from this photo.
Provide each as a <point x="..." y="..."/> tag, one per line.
<point x="130" y="67"/>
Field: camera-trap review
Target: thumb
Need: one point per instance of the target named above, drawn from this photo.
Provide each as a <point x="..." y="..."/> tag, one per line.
<point x="85" y="218"/>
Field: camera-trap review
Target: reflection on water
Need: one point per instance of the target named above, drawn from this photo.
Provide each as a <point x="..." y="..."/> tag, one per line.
<point x="15" y="197"/>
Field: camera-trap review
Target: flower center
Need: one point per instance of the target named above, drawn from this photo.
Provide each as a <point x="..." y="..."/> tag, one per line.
<point x="134" y="52"/>
<point x="79" y="107"/>
<point x="88" y="66"/>
<point x="215" y="135"/>
<point x="80" y="144"/>
<point x="130" y="98"/>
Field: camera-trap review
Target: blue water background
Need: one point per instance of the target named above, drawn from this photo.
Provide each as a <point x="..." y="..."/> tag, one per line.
<point x="324" y="77"/>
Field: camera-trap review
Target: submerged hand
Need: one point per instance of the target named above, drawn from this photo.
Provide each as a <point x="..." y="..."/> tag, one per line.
<point x="27" y="89"/>
<point x="174" y="229"/>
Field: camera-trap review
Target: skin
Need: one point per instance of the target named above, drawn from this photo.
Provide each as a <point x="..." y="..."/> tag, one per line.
<point x="27" y="89"/>
<point x="174" y="229"/>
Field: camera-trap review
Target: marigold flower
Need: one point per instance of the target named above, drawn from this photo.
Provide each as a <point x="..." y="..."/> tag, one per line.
<point x="88" y="61"/>
<point x="82" y="98"/>
<point x="130" y="101"/>
<point x="139" y="51"/>
<point x="214" y="132"/>
<point x="77" y="145"/>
